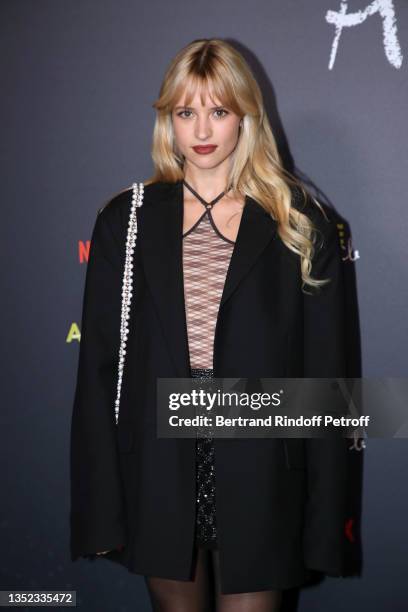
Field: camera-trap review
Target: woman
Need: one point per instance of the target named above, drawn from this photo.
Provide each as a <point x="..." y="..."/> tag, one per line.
<point x="236" y="273"/>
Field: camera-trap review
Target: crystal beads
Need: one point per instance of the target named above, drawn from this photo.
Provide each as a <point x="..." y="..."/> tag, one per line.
<point x="127" y="286"/>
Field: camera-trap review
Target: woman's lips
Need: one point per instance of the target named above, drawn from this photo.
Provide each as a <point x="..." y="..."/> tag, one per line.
<point x="204" y="150"/>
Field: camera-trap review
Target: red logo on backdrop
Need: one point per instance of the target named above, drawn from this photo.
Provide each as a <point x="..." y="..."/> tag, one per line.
<point x="83" y="251"/>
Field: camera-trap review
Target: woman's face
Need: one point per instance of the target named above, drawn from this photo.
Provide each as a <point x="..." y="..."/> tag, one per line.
<point x="211" y="124"/>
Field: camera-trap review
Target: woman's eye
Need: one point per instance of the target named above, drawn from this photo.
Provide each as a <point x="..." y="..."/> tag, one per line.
<point x="221" y="110"/>
<point x="182" y="113"/>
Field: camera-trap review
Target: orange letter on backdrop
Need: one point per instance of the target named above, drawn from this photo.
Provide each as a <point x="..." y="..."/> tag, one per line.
<point x="83" y="250"/>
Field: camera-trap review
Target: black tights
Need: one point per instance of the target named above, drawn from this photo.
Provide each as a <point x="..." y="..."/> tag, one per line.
<point x="198" y="596"/>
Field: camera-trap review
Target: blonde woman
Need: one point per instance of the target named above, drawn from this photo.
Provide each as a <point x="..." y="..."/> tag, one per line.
<point x="236" y="273"/>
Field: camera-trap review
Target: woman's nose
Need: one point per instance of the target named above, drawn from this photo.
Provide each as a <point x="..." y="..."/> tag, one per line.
<point x="202" y="128"/>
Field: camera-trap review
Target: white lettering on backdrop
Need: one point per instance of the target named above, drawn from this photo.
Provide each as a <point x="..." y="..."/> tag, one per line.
<point x="385" y="8"/>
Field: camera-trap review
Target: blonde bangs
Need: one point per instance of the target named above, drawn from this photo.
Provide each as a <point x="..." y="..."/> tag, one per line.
<point x="212" y="83"/>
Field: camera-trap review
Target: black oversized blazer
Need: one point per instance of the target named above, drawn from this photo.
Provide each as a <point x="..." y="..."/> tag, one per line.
<point x="280" y="503"/>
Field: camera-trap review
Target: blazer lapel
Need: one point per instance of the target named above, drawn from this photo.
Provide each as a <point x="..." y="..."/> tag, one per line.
<point x="160" y="228"/>
<point x="256" y="230"/>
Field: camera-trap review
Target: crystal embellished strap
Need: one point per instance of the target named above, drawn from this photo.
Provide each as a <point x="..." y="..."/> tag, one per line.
<point x="127" y="286"/>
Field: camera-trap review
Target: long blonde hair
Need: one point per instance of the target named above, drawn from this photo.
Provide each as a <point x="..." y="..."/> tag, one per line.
<point x="257" y="169"/>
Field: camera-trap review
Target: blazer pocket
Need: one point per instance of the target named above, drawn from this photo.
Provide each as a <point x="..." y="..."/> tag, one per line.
<point x="295" y="453"/>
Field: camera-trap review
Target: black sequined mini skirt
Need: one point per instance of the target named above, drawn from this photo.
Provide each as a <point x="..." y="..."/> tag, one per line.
<point x="206" y="528"/>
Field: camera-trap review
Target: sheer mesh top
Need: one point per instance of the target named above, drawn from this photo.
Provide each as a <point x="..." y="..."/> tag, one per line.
<point x="206" y="257"/>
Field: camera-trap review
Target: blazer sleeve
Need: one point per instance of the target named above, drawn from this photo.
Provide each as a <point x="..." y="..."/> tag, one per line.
<point x="97" y="510"/>
<point x="325" y="357"/>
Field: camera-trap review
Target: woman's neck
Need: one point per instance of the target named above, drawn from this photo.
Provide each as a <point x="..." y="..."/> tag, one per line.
<point x="208" y="183"/>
